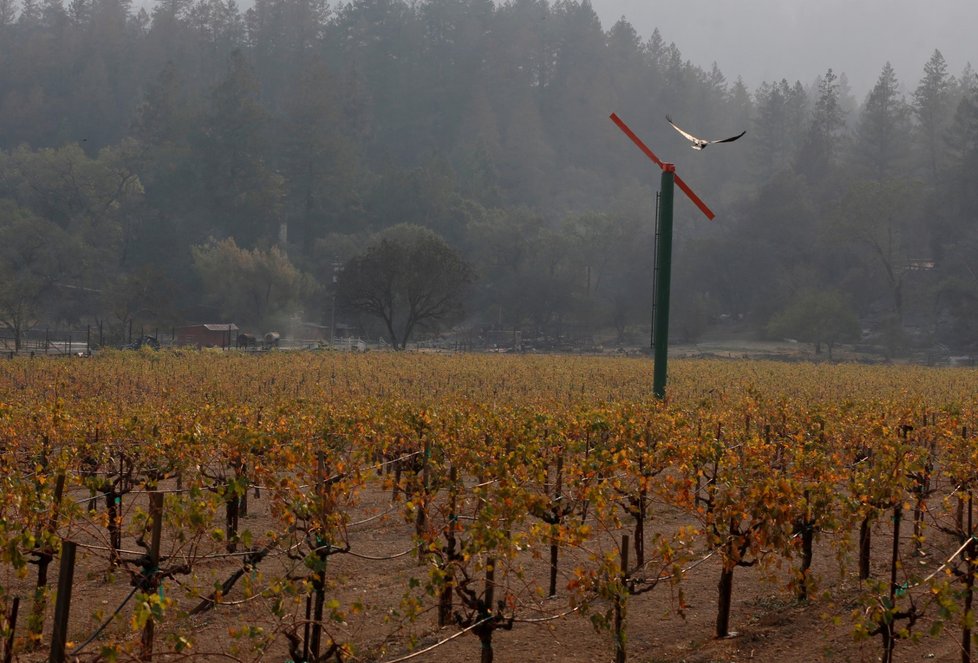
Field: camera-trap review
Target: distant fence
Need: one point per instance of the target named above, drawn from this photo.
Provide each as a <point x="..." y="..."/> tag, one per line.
<point x="49" y="341"/>
<point x="82" y="342"/>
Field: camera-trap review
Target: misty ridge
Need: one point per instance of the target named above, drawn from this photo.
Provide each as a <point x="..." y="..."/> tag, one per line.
<point x="447" y="169"/>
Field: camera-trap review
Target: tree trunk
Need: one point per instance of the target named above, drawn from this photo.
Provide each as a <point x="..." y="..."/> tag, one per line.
<point x="35" y="623"/>
<point x="557" y="496"/>
<point x="620" y="606"/>
<point x="317" y="615"/>
<point x="305" y="629"/>
<point x="807" y="540"/>
<point x="725" y="591"/>
<point x="888" y="642"/>
<point x="445" y="600"/>
<point x="485" y="630"/>
<point x="485" y="639"/>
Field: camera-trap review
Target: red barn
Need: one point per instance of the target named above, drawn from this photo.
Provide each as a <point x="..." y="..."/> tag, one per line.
<point x="220" y="335"/>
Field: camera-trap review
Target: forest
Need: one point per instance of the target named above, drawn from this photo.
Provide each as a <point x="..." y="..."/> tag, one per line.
<point x="196" y="161"/>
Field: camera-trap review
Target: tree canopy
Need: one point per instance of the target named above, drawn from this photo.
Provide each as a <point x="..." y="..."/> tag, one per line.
<point x="141" y="134"/>
<point x="408" y="277"/>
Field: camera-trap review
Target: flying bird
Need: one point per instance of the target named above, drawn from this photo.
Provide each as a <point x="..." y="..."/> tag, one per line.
<point x="699" y="143"/>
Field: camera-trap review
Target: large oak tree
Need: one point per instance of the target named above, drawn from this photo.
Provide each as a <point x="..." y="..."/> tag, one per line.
<point x="408" y="276"/>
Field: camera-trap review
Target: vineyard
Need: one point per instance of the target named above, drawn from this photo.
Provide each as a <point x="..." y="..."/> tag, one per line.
<point x="394" y="507"/>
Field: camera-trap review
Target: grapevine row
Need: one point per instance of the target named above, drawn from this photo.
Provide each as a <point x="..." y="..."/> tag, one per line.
<point x="512" y="482"/>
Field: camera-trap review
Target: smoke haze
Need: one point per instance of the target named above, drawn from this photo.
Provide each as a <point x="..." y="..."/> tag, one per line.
<point x="767" y="40"/>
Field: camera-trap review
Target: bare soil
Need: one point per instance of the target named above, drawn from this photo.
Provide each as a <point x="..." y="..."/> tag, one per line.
<point x="770" y="624"/>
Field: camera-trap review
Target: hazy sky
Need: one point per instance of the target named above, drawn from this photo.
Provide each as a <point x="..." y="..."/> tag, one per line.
<point x="767" y="40"/>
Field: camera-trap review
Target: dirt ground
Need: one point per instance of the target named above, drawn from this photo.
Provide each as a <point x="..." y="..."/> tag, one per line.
<point x="770" y="625"/>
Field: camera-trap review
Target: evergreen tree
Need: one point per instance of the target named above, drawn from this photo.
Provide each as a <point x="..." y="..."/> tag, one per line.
<point x="165" y="133"/>
<point x="8" y="14"/>
<point x="244" y="194"/>
<point x="820" y="145"/>
<point x="962" y="148"/>
<point x="579" y="64"/>
<point x="319" y="163"/>
<point x="933" y="112"/>
<point x="456" y="33"/>
<point x="780" y="116"/>
<point x="166" y="116"/>
<point x="218" y="27"/>
<point x="379" y="46"/>
<point x="285" y="38"/>
<point x="883" y="133"/>
<point x="30" y="14"/>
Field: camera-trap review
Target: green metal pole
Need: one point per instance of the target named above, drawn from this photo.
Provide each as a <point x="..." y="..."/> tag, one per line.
<point x="663" y="265"/>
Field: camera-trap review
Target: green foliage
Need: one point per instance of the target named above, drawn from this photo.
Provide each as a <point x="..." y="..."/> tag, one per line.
<point x="31" y="253"/>
<point x="816" y="317"/>
<point x="141" y="135"/>
<point x="256" y="286"/>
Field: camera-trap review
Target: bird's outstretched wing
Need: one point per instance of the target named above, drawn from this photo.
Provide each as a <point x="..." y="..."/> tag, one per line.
<point x="688" y="136"/>
<point x="731" y="139"/>
<point x="700" y="143"/>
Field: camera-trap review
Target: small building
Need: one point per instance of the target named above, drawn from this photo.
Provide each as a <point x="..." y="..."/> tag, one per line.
<point x="220" y="335"/>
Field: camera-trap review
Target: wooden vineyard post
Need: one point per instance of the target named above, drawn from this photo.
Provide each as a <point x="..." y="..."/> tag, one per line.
<point x="865" y="547"/>
<point x="969" y="582"/>
<point x="151" y="571"/>
<point x="63" y="602"/>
